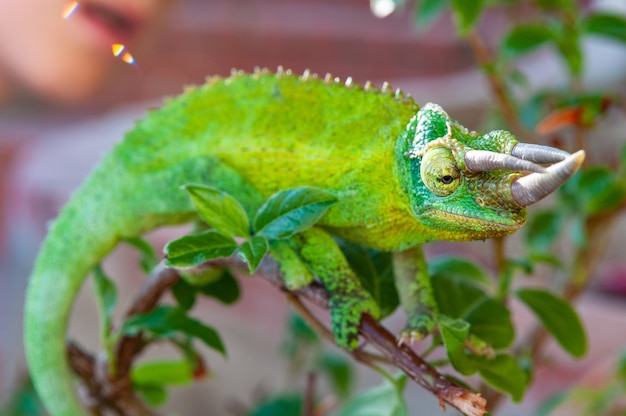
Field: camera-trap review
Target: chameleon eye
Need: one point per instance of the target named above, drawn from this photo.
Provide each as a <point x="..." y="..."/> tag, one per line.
<point x="440" y="172"/>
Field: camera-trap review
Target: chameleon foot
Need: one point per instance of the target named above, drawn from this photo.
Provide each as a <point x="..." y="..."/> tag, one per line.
<point x="418" y="327"/>
<point x="346" y="311"/>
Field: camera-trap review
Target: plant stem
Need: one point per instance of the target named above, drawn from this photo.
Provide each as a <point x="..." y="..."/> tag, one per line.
<point x="498" y="87"/>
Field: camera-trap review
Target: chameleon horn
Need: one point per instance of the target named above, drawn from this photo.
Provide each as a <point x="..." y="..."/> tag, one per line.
<point x="538" y="153"/>
<point x="485" y="161"/>
<point x="534" y="187"/>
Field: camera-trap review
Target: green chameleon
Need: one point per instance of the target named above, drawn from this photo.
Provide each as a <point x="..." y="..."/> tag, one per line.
<point x="402" y="176"/>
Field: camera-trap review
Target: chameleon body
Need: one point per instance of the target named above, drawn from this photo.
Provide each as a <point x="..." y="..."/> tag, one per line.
<point x="401" y="176"/>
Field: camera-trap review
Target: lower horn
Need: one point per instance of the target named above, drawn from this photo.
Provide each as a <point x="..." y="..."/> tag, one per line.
<point x="536" y="186"/>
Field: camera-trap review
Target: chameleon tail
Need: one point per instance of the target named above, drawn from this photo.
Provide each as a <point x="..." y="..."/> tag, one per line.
<point x="112" y="204"/>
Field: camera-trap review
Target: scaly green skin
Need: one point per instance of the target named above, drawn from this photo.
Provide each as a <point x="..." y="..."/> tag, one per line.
<point x="253" y="135"/>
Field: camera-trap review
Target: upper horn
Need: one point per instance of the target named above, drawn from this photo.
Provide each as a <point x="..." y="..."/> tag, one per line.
<point x="538" y="153"/>
<point x="485" y="161"/>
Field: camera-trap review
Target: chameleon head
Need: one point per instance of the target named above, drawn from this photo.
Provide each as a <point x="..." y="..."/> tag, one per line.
<point x="466" y="186"/>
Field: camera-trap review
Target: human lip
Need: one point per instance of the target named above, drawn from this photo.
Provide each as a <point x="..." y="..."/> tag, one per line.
<point x="111" y="22"/>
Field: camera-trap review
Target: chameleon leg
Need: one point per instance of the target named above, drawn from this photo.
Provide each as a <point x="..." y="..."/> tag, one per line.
<point x="416" y="293"/>
<point x="348" y="299"/>
<point x="293" y="269"/>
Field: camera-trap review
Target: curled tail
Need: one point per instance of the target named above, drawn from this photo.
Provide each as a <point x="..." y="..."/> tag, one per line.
<point x="112" y="204"/>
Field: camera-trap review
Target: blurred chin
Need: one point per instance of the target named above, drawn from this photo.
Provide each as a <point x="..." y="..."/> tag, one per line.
<point x="67" y="85"/>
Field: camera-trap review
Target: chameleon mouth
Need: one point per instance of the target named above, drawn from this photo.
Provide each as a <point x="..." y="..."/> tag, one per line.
<point x="488" y="222"/>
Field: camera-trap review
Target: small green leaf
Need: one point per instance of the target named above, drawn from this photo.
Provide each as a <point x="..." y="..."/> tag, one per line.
<point x="106" y="299"/>
<point x="339" y="371"/>
<point x="253" y="251"/>
<point x="220" y="210"/>
<point x="292" y="211"/>
<point x="147" y="257"/>
<point x="568" y="45"/>
<point x="525" y="38"/>
<point x="193" y="250"/>
<point x="427" y="11"/>
<point x="301" y="331"/>
<point x="384" y="400"/>
<point x="184" y="294"/>
<point x="455" y="296"/>
<point x="609" y="25"/>
<point x="602" y="190"/>
<point x="491" y="321"/>
<point x="284" y="405"/>
<point x="178" y="372"/>
<point x="459" y="268"/>
<point x="467" y="13"/>
<point x="166" y="321"/>
<point x="154" y="395"/>
<point x="542" y="230"/>
<point x="504" y="373"/>
<point x="558" y="317"/>
<point x="454" y="333"/>
<point x="225" y="289"/>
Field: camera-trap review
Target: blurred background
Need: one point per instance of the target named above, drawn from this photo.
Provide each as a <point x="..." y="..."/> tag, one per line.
<point x="65" y="99"/>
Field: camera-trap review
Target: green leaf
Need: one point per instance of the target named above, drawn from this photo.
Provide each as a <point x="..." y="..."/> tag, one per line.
<point x="178" y="372"/>
<point x="427" y="11"/>
<point x="147" y="257"/>
<point x="220" y="210"/>
<point x="339" y="371"/>
<point x="284" y="405"/>
<point x="466" y="13"/>
<point x="459" y="268"/>
<point x="568" y="45"/>
<point x="569" y="5"/>
<point x="106" y="299"/>
<point x="504" y="373"/>
<point x="301" y="330"/>
<point x="602" y="190"/>
<point x="609" y="25"/>
<point x="253" y="251"/>
<point x="184" y="294"/>
<point x="455" y="295"/>
<point x="193" y="250"/>
<point x="491" y="321"/>
<point x="226" y="289"/>
<point x="454" y="333"/>
<point x="384" y="400"/>
<point x="292" y="211"/>
<point x="166" y="321"/>
<point x="375" y="271"/>
<point x="154" y="395"/>
<point x="542" y="230"/>
<point x="558" y="317"/>
<point x="525" y="38"/>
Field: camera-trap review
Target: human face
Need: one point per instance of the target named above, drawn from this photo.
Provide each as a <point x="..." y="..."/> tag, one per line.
<point x="66" y="60"/>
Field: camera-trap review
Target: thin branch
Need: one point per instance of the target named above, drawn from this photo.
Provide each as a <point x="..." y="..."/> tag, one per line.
<point x="159" y="282"/>
<point x="498" y="87"/>
<point x="120" y="390"/>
